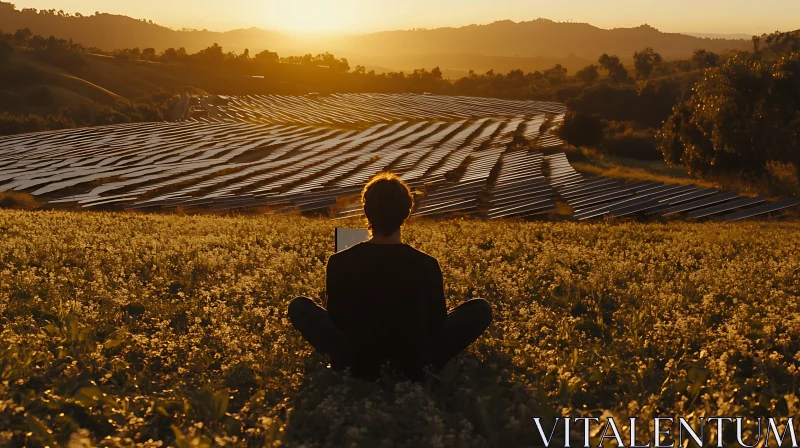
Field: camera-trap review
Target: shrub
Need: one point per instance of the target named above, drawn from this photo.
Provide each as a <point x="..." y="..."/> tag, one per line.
<point x="579" y="129"/>
<point x="626" y="140"/>
<point x="13" y="199"/>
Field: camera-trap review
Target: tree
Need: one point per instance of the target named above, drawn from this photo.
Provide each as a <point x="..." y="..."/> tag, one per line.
<point x="556" y="75"/>
<point x="756" y="43"/>
<point x="645" y="61"/>
<point x="149" y="53"/>
<point x="616" y="71"/>
<point x="741" y="116"/>
<point x="779" y="44"/>
<point x="614" y="103"/>
<point x="170" y="54"/>
<point x="588" y="75"/>
<point x="23" y="36"/>
<point x="703" y="59"/>
<point x="266" y="58"/>
<point x="783" y="98"/>
<point x="212" y="55"/>
<point x="582" y="129"/>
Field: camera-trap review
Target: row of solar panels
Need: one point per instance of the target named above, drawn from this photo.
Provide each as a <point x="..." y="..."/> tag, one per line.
<point x="352" y="109"/>
<point x="596" y="197"/>
<point x="520" y="189"/>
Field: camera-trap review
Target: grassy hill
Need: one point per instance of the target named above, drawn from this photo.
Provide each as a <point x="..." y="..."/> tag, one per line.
<point x="179" y="335"/>
<point x="28" y="76"/>
<point x="110" y="32"/>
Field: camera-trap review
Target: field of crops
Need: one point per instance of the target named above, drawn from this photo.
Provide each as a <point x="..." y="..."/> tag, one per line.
<point x="158" y="330"/>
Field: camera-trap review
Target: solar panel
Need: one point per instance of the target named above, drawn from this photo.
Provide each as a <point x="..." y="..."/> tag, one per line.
<point x="762" y="209"/>
<point x="709" y="211"/>
<point x="711" y="200"/>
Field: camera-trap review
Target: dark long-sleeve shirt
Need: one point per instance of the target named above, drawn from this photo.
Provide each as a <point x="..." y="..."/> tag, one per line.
<point x="388" y="299"/>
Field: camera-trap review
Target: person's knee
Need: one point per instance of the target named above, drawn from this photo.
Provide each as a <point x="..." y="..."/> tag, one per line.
<point x="297" y="306"/>
<point x="483" y="311"/>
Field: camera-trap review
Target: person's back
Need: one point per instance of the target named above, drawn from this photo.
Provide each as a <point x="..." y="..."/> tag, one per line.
<point x="386" y="299"/>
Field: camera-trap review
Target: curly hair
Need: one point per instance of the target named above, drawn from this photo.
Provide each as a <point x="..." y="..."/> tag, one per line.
<point x="387" y="203"/>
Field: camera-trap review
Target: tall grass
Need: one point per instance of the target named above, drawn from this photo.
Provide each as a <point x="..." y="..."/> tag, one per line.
<point x="123" y="329"/>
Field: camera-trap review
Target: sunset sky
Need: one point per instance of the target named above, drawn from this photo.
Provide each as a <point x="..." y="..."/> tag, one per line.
<point x="357" y="16"/>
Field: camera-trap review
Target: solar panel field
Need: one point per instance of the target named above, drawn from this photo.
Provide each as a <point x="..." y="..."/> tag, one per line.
<point x="487" y="157"/>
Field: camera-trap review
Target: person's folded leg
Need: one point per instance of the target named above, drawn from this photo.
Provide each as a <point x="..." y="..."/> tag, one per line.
<point x="312" y="321"/>
<point x="464" y="325"/>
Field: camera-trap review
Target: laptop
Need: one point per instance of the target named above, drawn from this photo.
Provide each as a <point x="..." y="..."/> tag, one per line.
<point x="349" y="237"/>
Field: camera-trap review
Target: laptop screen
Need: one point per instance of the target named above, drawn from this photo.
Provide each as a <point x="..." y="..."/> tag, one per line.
<point x="347" y="237"/>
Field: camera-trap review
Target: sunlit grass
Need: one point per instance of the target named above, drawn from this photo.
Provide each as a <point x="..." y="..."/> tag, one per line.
<point x="632" y="170"/>
<point x="780" y="181"/>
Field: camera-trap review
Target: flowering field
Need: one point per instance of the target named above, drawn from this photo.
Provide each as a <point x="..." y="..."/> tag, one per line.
<point x="125" y="329"/>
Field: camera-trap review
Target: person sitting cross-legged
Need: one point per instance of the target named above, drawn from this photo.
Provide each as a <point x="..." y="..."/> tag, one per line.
<point x="386" y="303"/>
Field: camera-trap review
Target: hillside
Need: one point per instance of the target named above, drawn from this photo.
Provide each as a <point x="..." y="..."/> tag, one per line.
<point x="110" y="32"/>
<point x="502" y="46"/>
<point x="180" y="332"/>
<point x="538" y="38"/>
<point x="47" y="87"/>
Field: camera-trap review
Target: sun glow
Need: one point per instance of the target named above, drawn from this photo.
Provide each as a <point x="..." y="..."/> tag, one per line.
<point x="315" y="16"/>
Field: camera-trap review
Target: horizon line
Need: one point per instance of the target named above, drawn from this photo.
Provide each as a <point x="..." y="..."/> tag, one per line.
<point x="363" y="32"/>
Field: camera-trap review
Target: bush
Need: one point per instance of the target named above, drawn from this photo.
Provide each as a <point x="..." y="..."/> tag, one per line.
<point x="618" y="103"/>
<point x="626" y="140"/>
<point x="13" y="199"/>
<point x="580" y="129"/>
<point x="567" y="93"/>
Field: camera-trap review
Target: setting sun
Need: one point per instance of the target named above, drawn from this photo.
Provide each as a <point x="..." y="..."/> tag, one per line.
<point x="313" y="16"/>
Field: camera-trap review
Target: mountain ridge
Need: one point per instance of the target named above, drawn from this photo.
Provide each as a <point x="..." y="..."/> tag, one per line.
<point x="532" y="45"/>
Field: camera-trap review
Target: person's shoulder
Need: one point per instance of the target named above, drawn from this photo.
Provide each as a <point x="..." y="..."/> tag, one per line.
<point x="347" y="253"/>
<point x="428" y="259"/>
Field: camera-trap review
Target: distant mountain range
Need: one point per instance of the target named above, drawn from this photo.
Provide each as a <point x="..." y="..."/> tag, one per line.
<point x="721" y="36"/>
<point x="501" y="46"/>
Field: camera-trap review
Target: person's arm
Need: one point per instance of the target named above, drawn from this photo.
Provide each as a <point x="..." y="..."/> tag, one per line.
<point x="338" y="309"/>
<point x="437" y="306"/>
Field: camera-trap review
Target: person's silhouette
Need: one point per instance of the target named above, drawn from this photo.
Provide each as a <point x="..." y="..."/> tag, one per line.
<point x="386" y="299"/>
